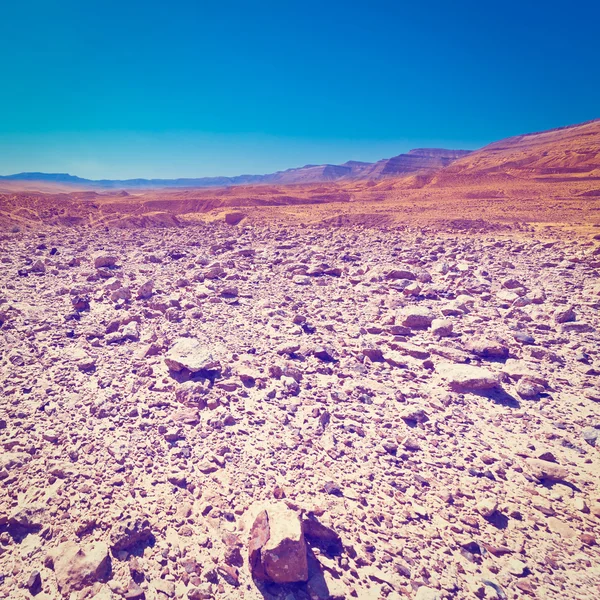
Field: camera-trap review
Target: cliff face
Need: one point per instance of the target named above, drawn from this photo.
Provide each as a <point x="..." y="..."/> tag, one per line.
<point x="567" y="153"/>
<point x="421" y="161"/>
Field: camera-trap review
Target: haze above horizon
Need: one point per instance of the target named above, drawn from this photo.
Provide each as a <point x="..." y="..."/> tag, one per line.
<point x="143" y="89"/>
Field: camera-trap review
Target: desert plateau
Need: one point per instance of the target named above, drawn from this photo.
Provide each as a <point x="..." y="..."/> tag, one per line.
<point x="371" y="381"/>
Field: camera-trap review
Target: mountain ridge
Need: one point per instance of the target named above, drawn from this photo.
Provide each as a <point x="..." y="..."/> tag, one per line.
<point x="416" y="161"/>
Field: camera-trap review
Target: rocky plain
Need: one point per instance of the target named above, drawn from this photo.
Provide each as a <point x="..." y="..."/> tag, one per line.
<point x="347" y="403"/>
<point x="390" y="413"/>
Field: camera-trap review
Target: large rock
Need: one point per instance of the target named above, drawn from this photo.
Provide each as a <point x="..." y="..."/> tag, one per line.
<point x="277" y="550"/>
<point x="400" y="274"/>
<point x="486" y="348"/>
<point x="102" y="260"/>
<point x="190" y="354"/>
<point x="77" y="567"/>
<point x="544" y="470"/>
<point x="467" y="378"/>
<point x="130" y="532"/>
<point x="415" y="317"/>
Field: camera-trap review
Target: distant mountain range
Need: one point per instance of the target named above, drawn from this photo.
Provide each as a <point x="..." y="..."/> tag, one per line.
<point x="418" y="161"/>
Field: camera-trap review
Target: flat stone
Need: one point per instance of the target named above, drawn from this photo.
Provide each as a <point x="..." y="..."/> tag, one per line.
<point x="465" y="378"/>
<point x="191" y="354"/>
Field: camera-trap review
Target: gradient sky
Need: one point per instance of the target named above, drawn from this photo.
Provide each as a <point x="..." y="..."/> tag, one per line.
<point x="100" y="88"/>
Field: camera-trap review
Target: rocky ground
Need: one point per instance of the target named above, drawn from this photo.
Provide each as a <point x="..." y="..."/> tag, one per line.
<point x="256" y="412"/>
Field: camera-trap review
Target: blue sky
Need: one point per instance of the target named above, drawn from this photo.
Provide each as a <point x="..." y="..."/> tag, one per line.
<point x="190" y="88"/>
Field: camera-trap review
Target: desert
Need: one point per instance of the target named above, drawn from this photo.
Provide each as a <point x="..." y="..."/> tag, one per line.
<point x="378" y="386"/>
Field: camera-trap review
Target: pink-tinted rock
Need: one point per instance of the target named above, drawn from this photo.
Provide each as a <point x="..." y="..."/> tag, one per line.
<point x="277" y="549"/>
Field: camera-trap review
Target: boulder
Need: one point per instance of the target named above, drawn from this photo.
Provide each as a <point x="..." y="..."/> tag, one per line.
<point x="277" y="550"/>
<point x="544" y="470"/>
<point x="441" y="327"/>
<point x="467" y="378"/>
<point x="486" y="348"/>
<point x="129" y="533"/>
<point x="145" y="290"/>
<point x="103" y="260"/>
<point x="415" y="317"/>
<point x="77" y="567"/>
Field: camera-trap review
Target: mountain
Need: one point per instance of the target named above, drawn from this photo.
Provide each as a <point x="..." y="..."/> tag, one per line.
<point x="419" y="161"/>
<point x="564" y="154"/>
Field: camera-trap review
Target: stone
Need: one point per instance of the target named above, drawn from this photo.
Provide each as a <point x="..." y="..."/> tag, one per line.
<point x="415" y="317"/>
<point x="400" y="274"/>
<point x="130" y="532"/>
<point x="34" y="583"/>
<point x="486" y="348"/>
<point x="427" y="593"/>
<point x="564" y="314"/>
<point x="546" y="471"/>
<point x="441" y="327"/>
<point x="277" y="549"/>
<point x="145" y="290"/>
<point x="77" y="567"/>
<point x="103" y="260"/>
<point x="38" y="267"/>
<point x="529" y="389"/>
<point x="516" y="567"/>
<point x="191" y="354"/>
<point x="561" y="528"/>
<point x="467" y="378"/>
<point x="486" y="508"/>
<point x="591" y="435"/>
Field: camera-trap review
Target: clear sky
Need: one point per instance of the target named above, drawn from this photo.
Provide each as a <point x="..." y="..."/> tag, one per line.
<point x="149" y="88"/>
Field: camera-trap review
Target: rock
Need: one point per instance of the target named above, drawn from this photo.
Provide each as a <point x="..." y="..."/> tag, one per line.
<point x="321" y="352"/>
<point x="80" y="303"/>
<point x="516" y="567"/>
<point x="591" y="435"/>
<point x="564" y="315"/>
<point x="486" y="508"/>
<point x="441" y="327"/>
<point x="523" y="338"/>
<point x="413" y="289"/>
<point x="234" y="218"/>
<point x="38" y="267"/>
<point x="277" y="549"/>
<point x="400" y="274"/>
<point x="145" y="290"/>
<point x="486" y="348"/>
<point x="373" y="354"/>
<point x="34" y="583"/>
<point x="130" y="532"/>
<point x="511" y="284"/>
<point x="467" y="378"/>
<point x="103" y="260"/>
<point x="415" y="317"/>
<point x="164" y="587"/>
<point x="191" y="354"/>
<point x="230" y="292"/>
<point x="122" y="293"/>
<point x="546" y="471"/>
<point x="528" y="389"/>
<point x="427" y="593"/>
<point x="131" y="331"/>
<point x="77" y="567"/>
<point x="301" y="280"/>
<point x="561" y="528"/>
